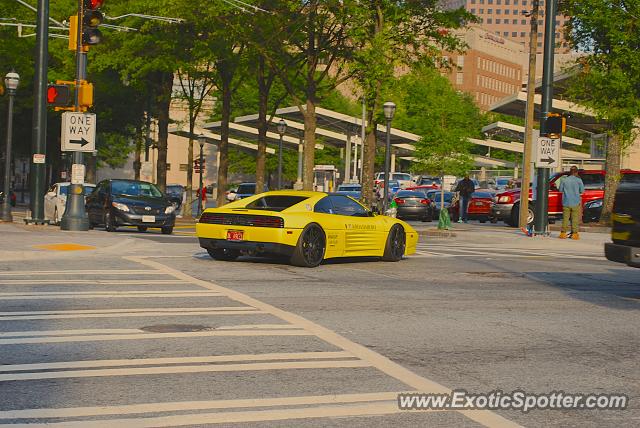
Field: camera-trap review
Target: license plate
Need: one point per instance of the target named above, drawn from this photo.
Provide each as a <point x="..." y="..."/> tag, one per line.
<point x="235" y="235"/>
<point x="479" y="204"/>
<point x="148" y="219"/>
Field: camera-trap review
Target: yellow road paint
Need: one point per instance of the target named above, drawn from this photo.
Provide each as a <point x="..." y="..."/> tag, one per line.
<point x="65" y="247"/>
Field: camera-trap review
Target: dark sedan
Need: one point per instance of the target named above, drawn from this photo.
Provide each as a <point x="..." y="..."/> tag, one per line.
<point x="591" y="211"/>
<point x="436" y="200"/>
<point x="413" y="205"/>
<point x="116" y="203"/>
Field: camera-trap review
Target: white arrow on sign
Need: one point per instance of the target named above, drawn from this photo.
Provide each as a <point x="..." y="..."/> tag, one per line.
<point x="78" y="132"/>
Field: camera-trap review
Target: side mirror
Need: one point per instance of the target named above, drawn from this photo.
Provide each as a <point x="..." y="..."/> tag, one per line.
<point x="51" y="194"/>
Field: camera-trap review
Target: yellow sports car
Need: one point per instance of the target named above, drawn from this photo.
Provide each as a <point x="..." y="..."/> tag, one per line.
<point x="306" y="227"/>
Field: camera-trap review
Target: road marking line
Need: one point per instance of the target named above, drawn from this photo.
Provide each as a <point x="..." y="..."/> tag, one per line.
<point x="128" y="315"/>
<point x="146" y="336"/>
<point x="378" y="361"/>
<point x="77" y="412"/>
<point x="88" y="282"/>
<point x="175" y="360"/>
<point x="82" y="272"/>
<point x="65" y="247"/>
<point x="139" y="371"/>
<point x="132" y="310"/>
<point x="258" y="326"/>
<point x="124" y="294"/>
<point x="35" y="333"/>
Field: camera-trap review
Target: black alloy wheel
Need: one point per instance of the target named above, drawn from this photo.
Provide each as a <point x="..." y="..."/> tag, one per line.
<point x="309" y="251"/>
<point x="396" y="244"/>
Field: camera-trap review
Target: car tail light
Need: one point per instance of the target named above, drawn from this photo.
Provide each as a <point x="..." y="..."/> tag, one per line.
<point x="399" y="201"/>
<point x="424" y="201"/>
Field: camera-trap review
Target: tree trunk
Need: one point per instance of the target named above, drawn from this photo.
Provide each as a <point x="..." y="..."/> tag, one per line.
<point x="612" y="177"/>
<point x="163" y="102"/>
<point x="368" y="164"/>
<point x="309" y="155"/>
<point x="223" y="147"/>
<point x="188" y="204"/>
<point x="263" y="99"/>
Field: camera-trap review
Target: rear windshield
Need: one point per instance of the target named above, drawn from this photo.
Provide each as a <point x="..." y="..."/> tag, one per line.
<point x="438" y="197"/>
<point x="409" y="194"/>
<point x="630" y="178"/>
<point x="482" y="195"/>
<point x="134" y="188"/>
<point x="275" y="203"/>
<point x="502" y="181"/>
<point x="426" y="181"/>
<point x="348" y="188"/>
<point x="398" y="176"/>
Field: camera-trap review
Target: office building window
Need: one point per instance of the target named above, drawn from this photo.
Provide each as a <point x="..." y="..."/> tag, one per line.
<point x="523" y="34"/>
<point x="539" y="21"/>
<point x="539" y="44"/>
<point x="507" y="1"/>
<point x="168" y="167"/>
<point x="506" y="34"/>
<point x="481" y="11"/>
<point x="459" y="78"/>
<point x="489" y="11"/>
<point x="523" y="22"/>
<point x="514" y="22"/>
<point x="497" y="21"/>
<point x="460" y="61"/>
<point x="515" y="11"/>
<point x="498" y="1"/>
<point x="513" y="34"/>
<point x="515" y="2"/>
<point x="498" y="11"/>
<point x="473" y="11"/>
<point x="489" y="1"/>
<point x="506" y="11"/>
<point x="557" y="35"/>
<point x="490" y="21"/>
<point x="524" y="2"/>
<point x="539" y="34"/>
<point x="557" y="23"/>
<point x="473" y="1"/>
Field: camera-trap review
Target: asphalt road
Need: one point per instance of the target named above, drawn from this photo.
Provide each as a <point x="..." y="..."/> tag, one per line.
<point x="147" y="330"/>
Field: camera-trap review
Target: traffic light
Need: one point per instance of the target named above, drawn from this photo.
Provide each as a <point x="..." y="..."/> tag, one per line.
<point x="91" y="19"/>
<point x="555" y="124"/>
<point x="59" y="95"/>
<point x="85" y="94"/>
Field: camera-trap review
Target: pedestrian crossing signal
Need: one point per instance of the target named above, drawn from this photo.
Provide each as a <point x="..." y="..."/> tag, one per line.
<point x="59" y="95"/>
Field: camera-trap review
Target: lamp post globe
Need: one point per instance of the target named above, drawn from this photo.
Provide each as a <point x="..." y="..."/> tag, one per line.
<point x="11" y="82"/>
<point x="282" y="129"/>
<point x="389" y="109"/>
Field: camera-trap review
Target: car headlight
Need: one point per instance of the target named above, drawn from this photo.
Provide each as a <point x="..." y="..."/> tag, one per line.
<point x="170" y="209"/>
<point x="119" y="206"/>
<point x="504" y="199"/>
<point x="595" y="204"/>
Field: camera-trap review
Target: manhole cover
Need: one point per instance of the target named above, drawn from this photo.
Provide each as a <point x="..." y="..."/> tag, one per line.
<point x="175" y="328"/>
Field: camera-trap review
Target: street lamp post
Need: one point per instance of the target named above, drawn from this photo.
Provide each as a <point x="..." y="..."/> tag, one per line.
<point x="201" y="141"/>
<point x="389" y="110"/>
<point x="282" y="128"/>
<point x="11" y="81"/>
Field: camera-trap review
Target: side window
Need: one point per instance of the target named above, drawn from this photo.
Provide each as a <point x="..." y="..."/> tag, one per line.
<point x="343" y="205"/>
<point x="324" y="206"/>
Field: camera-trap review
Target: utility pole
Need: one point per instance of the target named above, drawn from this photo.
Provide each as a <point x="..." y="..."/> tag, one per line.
<point x="542" y="194"/>
<point x="39" y="133"/>
<point x="528" y="133"/>
<point x="75" y="216"/>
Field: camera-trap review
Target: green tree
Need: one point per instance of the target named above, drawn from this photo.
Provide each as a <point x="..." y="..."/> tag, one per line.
<point x="608" y="78"/>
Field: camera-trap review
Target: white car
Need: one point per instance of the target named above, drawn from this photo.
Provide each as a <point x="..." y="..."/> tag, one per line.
<point x="55" y="200"/>
<point x="404" y="179"/>
<point x="231" y="194"/>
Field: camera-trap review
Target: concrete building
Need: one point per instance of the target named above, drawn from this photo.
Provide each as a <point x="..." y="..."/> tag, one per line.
<point x="506" y="18"/>
<point x="492" y="68"/>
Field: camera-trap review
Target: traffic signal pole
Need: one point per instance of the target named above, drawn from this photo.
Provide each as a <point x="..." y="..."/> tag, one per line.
<point x="542" y="193"/>
<point x="75" y="216"/>
<point x="39" y="134"/>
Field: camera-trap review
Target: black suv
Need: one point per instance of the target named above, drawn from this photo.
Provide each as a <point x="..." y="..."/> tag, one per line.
<point x="116" y="203"/>
<point x="625" y="231"/>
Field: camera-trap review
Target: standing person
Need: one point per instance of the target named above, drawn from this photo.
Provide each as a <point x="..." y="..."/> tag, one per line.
<point x="465" y="188"/>
<point x="572" y="189"/>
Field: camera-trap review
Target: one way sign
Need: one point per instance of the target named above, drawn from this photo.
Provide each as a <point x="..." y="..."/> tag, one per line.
<point x="548" y="152"/>
<point x="78" y="132"/>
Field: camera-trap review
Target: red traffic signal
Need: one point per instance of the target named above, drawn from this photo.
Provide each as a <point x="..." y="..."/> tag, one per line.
<point x="91" y="19"/>
<point x="59" y="95"/>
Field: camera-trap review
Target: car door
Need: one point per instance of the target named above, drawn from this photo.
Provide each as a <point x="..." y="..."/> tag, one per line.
<point x="361" y="231"/>
<point x="95" y="202"/>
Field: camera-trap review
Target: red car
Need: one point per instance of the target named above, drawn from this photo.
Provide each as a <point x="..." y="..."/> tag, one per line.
<point x="479" y="207"/>
<point x="507" y="204"/>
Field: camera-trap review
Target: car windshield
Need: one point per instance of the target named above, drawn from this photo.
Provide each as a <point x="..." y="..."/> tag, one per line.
<point x="502" y="181"/>
<point x="174" y="190"/>
<point x="482" y="195"/>
<point x="399" y="176"/>
<point x="246" y="189"/>
<point x="409" y="194"/>
<point x="275" y="203"/>
<point x="343" y="188"/>
<point x="630" y="178"/>
<point x="593" y="181"/>
<point x="135" y="188"/>
<point x="437" y="197"/>
<point x="427" y="181"/>
<point x="64" y="190"/>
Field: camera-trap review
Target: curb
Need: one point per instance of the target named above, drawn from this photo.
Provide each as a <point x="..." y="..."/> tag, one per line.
<point x="437" y="233"/>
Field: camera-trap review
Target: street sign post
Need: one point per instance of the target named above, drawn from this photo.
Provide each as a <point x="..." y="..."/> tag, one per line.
<point x="548" y="152"/>
<point x="78" y="132"/>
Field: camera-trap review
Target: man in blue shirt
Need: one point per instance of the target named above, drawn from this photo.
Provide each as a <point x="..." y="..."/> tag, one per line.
<point x="572" y="189"/>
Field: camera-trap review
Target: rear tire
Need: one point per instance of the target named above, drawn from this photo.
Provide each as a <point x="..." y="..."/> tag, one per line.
<point x="396" y="244"/>
<point x="311" y="246"/>
<point x="142" y="228"/>
<point x="223" y="254"/>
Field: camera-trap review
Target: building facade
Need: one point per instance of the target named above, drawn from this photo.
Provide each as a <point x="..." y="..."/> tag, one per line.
<point x="507" y="18"/>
